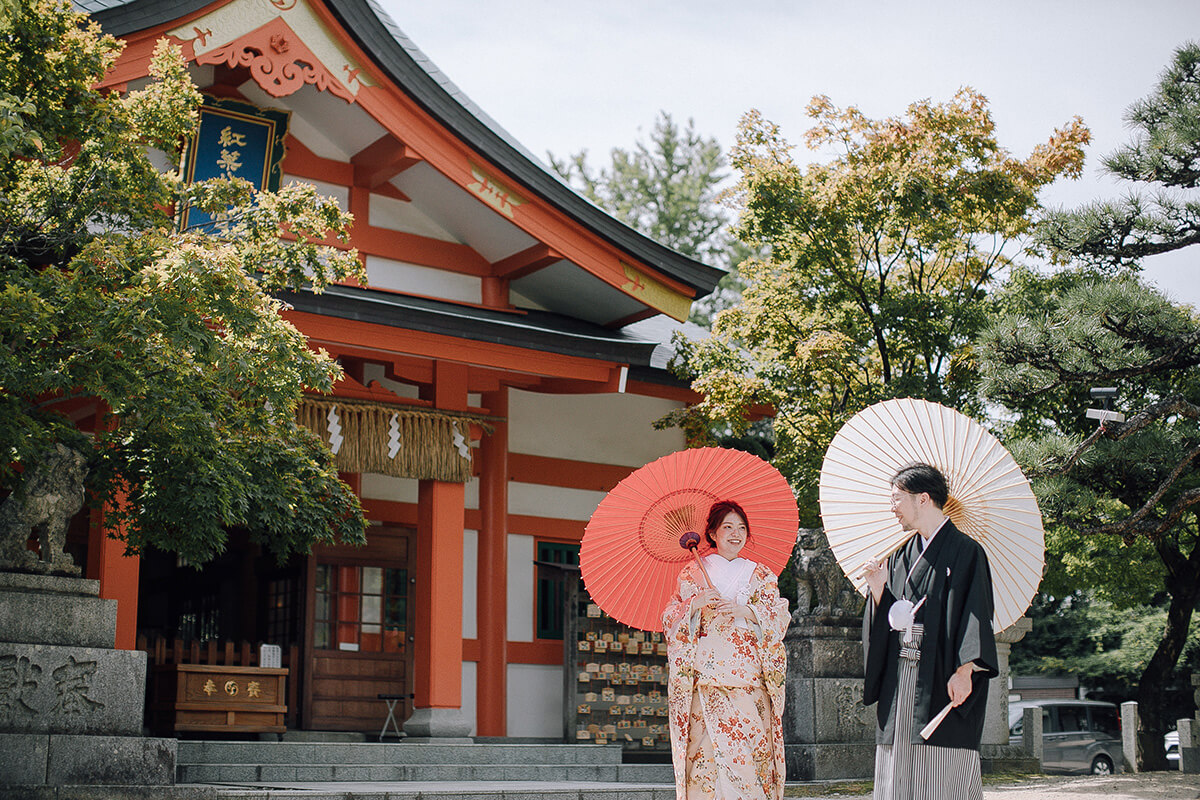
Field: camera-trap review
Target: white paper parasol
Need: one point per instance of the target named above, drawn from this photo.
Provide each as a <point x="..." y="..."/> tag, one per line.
<point x="990" y="498"/>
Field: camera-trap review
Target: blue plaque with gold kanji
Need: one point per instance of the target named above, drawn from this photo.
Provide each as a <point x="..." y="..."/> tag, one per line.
<point x="234" y="140"/>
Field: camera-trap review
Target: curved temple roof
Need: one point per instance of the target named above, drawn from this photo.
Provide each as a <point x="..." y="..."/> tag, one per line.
<point x="412" y="71"/>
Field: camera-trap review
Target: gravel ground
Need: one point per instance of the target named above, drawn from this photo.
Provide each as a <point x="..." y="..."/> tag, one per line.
<point x="1142" y="786"/>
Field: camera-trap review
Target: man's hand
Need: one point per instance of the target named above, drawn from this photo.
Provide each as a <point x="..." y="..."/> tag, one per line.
<point x="959" y="685"/>
<point x="876" y="578"/>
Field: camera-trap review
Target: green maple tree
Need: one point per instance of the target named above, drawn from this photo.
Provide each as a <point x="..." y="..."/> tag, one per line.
<point x="173" y="336"/>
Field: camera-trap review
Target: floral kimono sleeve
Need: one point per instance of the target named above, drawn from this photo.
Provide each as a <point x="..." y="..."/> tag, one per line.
<point x="681" y="628"/>
<point x="681" y="622"/>
<point x="773" y="620"/>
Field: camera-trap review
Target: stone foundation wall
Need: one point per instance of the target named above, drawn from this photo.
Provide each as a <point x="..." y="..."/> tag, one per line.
<point x="71" y="706"/>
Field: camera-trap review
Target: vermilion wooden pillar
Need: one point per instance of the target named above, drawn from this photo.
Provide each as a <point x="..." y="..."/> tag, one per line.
<point x="438" y="646"/>
<point x="118" y="576"/>
<point x="118" y="573"/>
<point x="492" y="600"/>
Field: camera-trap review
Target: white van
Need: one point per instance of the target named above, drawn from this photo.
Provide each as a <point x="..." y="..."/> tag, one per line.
<point x="1078" y="736"/>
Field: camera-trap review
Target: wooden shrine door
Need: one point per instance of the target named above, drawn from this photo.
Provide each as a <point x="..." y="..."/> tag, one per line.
<point x="361" y="623"/>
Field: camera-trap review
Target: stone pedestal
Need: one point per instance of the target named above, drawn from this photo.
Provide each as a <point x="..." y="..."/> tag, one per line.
<point x="995" y="753"/>
<point x="1189" y="735"/>
<point x="1189" y="745"/>
<point x="1131" y="741"/>
<point x="828" y="732"/>
<point x="70" y="705"/>
<point x="1032" y="736"/>
<point x="445" y="725"/>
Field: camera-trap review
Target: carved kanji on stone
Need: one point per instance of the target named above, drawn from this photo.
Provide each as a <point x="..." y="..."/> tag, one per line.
<point x="18" y="681"/>
<point x="72" y="681"/>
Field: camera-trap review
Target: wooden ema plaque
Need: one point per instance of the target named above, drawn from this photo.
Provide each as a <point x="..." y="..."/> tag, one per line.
<point x="216" y="698"/>
<point x="618" y="683"/>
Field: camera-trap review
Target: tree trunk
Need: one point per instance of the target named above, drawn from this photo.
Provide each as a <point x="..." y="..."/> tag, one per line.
<point x="1157" y="711"/>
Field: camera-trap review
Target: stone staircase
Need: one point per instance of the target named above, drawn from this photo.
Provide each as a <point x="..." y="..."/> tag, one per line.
<point x="229" y="762"/>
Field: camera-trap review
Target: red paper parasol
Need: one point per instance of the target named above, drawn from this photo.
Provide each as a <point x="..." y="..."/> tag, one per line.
<point x="631" y="557"/>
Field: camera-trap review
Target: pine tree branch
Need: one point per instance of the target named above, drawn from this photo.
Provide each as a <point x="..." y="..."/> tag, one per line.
<point x="1079" y="451"/>
<point x="1174" y="404"/>
<point x="1178" y="357"/>
<point x="1128" y="529"/>
<point x="1138" y="523"/>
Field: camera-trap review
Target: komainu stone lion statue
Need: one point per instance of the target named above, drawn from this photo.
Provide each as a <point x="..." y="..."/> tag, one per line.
<point x="822" y="589"/>
<point x="42" y="507"/>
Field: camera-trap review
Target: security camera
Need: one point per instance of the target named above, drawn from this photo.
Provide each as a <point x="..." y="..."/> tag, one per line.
<point x="1105" y="395"/>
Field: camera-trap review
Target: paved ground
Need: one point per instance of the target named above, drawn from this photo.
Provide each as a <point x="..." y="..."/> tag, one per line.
<point x="1143" y="786"/>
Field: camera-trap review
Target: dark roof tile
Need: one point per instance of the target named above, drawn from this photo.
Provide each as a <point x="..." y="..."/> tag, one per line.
<point x="533" y="330"/>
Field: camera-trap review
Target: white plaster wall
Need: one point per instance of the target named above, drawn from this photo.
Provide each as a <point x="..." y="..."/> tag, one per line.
<point x="404" y="490"/>
<point x="521" y="301"/>
<point x="469" y="672"/>
<point x="385" y="273"/>
<point x="385" y="487"/>
<point x="470" y="584"/>
<point x="534" y="700"/>
<point x="520" y="588"/>
<point x="376" y="372"/>
<point x="552" y="501"/>
<point x="202" y="75"/>
<point x="336" y="191"/>
<point x="471" y="494"/>
<point x="398" y="215"/>
<point x="159" y="159"/>
<point x="601" y="428"/>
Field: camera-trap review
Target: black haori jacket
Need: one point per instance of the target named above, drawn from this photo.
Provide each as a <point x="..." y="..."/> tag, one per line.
<point x="955" y="581"/>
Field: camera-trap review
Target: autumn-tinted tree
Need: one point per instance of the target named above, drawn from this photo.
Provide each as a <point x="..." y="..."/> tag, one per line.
<point x="1120" y="500"/>
<point x="878" y="261"/>
<point x="169" y="342"/>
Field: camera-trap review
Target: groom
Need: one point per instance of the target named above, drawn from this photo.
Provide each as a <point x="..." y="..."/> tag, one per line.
<point x="943" y="654"/>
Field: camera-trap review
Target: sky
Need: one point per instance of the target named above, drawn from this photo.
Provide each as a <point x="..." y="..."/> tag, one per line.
<point x="568" y="75"/>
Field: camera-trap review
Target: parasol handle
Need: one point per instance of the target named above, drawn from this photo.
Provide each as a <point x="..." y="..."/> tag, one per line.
<point x="691" y="541"/>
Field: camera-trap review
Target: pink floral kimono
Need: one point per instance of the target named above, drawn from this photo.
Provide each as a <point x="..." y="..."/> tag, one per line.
<point x="725" y="697"/>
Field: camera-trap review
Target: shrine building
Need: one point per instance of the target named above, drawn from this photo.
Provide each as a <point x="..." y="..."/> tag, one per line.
<point x="504" y="368"/>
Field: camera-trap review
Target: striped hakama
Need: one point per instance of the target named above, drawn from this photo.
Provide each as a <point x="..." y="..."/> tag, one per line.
<point x="907" y="771"/>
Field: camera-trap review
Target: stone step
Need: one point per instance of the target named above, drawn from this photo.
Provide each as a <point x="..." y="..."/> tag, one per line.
<point x="248" y="773"/>
<point x="500" y="790"/>
<point x="201" y="752"/>
<point x="647" y="773"/>
<point x="379" y="773"/>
